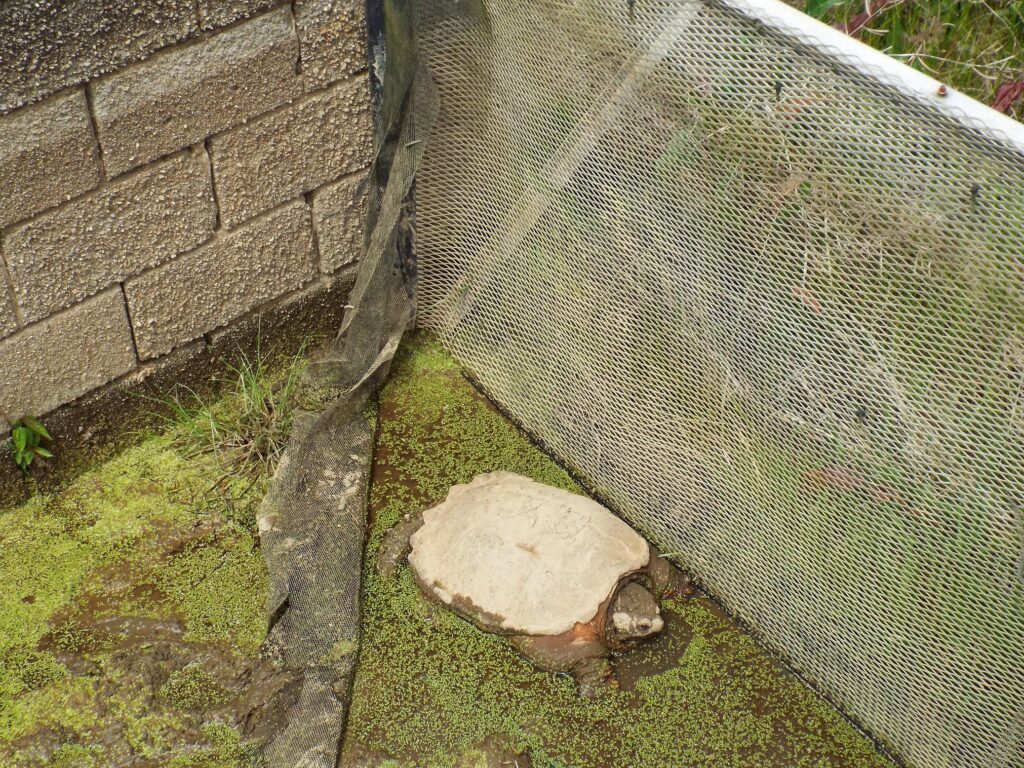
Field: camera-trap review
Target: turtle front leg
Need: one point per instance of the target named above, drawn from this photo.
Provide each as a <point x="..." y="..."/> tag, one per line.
<point x="595" y="676"/>
<point x="666" y="579"/>
<point x="395" y="547"/>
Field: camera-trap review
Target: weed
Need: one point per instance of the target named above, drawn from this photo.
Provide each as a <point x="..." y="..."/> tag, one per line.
<point x="973" y="46"/>
<point x="248" y="428"/>
<point x="26" y="440"/>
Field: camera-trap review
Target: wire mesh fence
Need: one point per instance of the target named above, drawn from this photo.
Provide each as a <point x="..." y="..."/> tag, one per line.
<point x="764" y="290"/>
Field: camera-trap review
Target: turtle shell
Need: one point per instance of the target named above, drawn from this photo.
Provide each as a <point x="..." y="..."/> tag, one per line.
<point x="522" y="557"/>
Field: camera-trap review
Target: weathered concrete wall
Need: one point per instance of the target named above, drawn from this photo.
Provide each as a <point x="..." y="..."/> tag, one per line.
<point x="167" y="170"/>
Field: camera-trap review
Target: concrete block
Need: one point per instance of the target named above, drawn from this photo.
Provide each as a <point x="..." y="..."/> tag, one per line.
<point x="55" y="361"/>
<point x="309" y="316"/>
<point x="217" y="13"/>
<point x="47" y="155"/>
<point x="292" y="150"/>
<point x="332" y="36"/>
<point x="8" y="319"/>
<point x="339" y="215"/>
<point x="119" y="230"/>
<point x="182" y="95"/>
<point x="46" y="45"/>
<point x="8" y="322"/>
<point x="212" y="285"/>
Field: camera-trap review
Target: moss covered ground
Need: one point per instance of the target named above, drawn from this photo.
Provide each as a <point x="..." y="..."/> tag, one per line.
<point x="130" y="615"/>
<point x="431" y="690"/>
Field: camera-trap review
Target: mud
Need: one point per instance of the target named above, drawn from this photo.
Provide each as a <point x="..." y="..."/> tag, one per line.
<point x="141" y="655"/>
<point x="657" y="655"/>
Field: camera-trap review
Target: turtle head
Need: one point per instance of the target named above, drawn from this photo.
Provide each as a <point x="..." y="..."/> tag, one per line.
<point x="633" y="615"/>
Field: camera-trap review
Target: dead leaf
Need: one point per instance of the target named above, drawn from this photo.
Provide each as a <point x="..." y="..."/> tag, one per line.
<point x="1007" y="94"/>
<point x="792" y="184"/>
<point x="836" y="477"/>
<point x="850" y="480"/>
<point x="792" y="108"/>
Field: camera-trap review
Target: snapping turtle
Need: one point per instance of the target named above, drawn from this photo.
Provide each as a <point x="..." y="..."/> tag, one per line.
<point x="567" y="580"/>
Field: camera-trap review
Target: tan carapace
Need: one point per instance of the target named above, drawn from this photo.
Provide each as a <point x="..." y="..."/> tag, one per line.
<point x="566" y="579"/>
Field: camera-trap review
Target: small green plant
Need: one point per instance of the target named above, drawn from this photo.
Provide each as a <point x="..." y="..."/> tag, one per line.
<point x="26" y="439"/>
<point x="248" y="429"/>
<point x="976" y="47"/>
<point x="818" y="8"/>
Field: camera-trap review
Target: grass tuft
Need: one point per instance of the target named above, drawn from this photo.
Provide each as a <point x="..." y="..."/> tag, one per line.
<point x="246" y="426"/>
<point x="973" y="45"/>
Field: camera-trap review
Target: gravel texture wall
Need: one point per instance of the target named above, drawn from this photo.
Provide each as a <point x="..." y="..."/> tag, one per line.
<point x="168" y="170"/>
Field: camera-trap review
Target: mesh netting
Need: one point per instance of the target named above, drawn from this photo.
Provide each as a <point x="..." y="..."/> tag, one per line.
<point x="313" y="519"/>
<point x="765" y="293"/>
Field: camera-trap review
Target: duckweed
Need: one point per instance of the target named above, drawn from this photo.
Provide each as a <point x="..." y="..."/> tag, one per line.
<point x="129" y="573"/>
<point x="193" y="688"/>
<point x="431" y="689"/>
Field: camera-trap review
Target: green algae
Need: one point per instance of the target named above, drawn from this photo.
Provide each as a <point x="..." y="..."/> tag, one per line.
<point x="225" y="751"/>
<point x="120" y="545"/>
<point x="66" y="703"/>
<point x="133" y="607"/>
<point x="218" y="587"/>
<point x="51" y="544"/>
<point x="431" y="689"/>
<point x="76" y="756"/>
<point x="193" y="688"/>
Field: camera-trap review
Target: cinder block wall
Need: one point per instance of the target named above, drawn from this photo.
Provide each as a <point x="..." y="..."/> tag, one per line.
<point x="167" y="169"/>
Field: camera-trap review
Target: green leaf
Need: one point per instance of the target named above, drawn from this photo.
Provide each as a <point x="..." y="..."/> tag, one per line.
<point x="40" y="451"/>
<point x="20" y="437"/>
<point x="23" y="458"/>
<point x="818" y="8"/>
<point x="37" y="426"/>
